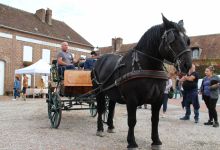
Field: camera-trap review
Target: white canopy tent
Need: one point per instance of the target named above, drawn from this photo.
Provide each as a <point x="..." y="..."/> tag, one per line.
<point x="40" y="67"/>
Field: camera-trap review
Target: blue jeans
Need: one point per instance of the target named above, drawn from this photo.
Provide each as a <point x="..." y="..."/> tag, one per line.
<point x="165" y="99"/>
<point x="61" y="69"/>
<point x="188" y="113"/>
<point x="191" y="97"/>
<point x="178" y="91"/>
<point x="16" y="93"/>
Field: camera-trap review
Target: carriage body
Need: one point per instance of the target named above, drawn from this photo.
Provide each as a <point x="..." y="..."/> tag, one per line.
<point x="70" y="92"/>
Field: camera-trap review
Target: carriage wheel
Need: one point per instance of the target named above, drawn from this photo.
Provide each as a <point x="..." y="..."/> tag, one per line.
<point x="105" y="114"/>
<point x="93" y="109"/>
<point x="54" y="109"/>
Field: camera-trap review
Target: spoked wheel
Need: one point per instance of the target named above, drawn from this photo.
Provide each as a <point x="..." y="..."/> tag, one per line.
<point x="93" y="109"/>
<point x="54" y="109"/>
<point x="105" y="114"/>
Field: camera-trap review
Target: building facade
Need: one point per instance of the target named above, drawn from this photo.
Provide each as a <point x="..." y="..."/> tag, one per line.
<point x="26" y="37"/>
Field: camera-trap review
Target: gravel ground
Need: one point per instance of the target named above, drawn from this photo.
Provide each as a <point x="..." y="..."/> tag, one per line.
<point x="25" y="126"/>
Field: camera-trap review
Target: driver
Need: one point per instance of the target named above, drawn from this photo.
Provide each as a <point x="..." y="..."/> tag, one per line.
<point x="65" y="59"/>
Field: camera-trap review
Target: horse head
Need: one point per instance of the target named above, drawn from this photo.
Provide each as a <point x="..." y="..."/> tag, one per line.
<point x="174" y="45"/>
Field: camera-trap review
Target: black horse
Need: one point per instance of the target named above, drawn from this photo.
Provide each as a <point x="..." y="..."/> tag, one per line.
<point x="138" y="77"/>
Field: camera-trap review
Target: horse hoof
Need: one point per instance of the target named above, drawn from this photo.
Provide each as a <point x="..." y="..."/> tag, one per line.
<point x="111" y="131"/>
<point x="100" y="133"/>
<point x="155" y="147"/>
<point x="132" y="148"/>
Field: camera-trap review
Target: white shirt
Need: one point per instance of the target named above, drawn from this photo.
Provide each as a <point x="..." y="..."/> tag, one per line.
<point x="169" y="84"/>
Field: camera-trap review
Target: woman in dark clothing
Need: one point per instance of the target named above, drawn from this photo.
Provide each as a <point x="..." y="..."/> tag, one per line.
<point x="210" y="92"/>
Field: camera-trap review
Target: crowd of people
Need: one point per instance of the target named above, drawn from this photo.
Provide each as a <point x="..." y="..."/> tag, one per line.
<point x="23" y="93"/>
<point x="187" y="87"/>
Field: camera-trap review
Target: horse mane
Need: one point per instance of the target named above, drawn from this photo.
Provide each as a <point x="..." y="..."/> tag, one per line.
<point x="151" y="38"/>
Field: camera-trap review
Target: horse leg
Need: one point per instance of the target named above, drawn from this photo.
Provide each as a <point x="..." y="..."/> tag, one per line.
<point x="110" y="124"/>
<point x="100" y="98"/>
<point x="131" y="109"/>
<point x="155" y="120"/>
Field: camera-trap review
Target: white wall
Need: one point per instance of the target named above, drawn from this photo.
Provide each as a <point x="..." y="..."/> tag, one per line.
<point x="2" y="77"/>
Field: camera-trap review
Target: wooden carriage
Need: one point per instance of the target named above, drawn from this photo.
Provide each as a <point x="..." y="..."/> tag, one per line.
<point x="70" y="92"/>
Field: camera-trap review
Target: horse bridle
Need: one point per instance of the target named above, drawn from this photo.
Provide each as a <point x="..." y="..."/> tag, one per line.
<point x="176" y="57"/>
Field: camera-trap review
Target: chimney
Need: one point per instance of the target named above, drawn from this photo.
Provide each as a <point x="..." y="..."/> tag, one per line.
<point x="49" y="16"/>
<point x="113" y="44"/>
<point x="118" y="43"/>
<point x="41" y="13"/>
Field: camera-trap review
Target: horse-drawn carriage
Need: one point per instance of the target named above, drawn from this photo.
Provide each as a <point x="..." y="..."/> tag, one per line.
<point x="73" y="91"/>
<point x="136" y="78"/>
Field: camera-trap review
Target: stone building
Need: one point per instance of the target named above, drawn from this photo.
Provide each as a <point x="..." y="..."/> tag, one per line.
<point x="26" y="37"/>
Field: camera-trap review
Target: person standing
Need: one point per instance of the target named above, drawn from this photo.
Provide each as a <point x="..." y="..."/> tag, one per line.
<point x="210" y="93"/>
<point x="41" y="86"/>
<point x="25" y="86"/>
<point x="165" y="96"/>
<point x="17" y="87"/>
<point x="178" y="88"/>
<point x="190" y="87"/>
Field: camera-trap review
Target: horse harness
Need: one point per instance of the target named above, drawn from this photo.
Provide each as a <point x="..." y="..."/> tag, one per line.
<point x="134" y="74"/>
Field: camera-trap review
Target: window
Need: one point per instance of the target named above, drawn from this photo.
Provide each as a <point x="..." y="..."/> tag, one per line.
<point x="27" y="53"/>
<point x="46" y="55"/>
<point x="195" y="53"/>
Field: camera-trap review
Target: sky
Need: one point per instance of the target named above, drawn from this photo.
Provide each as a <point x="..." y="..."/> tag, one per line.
<point x="98" y="21"/>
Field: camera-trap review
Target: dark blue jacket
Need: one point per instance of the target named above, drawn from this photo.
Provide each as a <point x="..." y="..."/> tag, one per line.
<point x="89" y="63"/>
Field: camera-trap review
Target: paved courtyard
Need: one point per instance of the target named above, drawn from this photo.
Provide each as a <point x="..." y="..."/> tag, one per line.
<point x="25" y="126"/>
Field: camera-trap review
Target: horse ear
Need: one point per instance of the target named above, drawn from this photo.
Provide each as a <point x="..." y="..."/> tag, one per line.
<point x="165" y="21"/>
<point x="180" y="23"/>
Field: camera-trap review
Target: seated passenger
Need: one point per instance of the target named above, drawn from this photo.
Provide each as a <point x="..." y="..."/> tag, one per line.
<point x="65" y="59"/>
<point x="90" y="62"/>
<point x="81" y="63"/>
